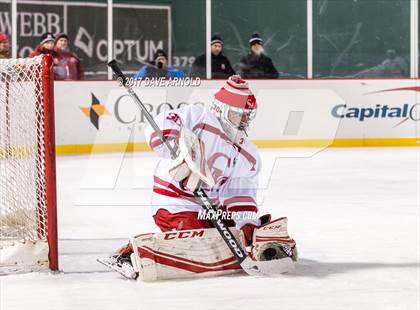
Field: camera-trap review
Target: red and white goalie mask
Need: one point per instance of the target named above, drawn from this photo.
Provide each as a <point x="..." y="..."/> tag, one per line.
<point x="235" y="106"/>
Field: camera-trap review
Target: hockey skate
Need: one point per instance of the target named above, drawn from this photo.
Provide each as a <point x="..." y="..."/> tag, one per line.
<point x="120" y="263"/>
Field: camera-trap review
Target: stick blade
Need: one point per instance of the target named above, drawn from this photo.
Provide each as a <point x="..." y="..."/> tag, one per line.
<point x="269" y="267"/>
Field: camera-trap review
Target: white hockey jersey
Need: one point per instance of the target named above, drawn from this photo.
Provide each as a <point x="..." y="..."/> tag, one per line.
<point x="235" y="168"/>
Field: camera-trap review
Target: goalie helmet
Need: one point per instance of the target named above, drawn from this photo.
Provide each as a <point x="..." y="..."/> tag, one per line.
<point x="235" y="106"/>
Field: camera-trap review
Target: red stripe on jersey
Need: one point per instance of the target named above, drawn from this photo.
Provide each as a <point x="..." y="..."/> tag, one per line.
<point x="172" y="187"/>
<point x="214" y="130"/>
<point x="169" y="134"/>
<point x="203" y="157"/>
<point x="175" y="192"/>
<point x="165" y="192"/>
<point x="251" y="159"/>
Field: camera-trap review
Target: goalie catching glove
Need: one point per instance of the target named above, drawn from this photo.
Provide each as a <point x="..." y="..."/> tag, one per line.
<point x="190" y="168"/>
<point x="269" y="240"/>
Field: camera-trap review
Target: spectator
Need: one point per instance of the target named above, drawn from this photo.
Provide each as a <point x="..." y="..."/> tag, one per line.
<point x="4" y="46"/>
<point x="220" y="65"/>
<point x="158" y="68"/>
<point x="67" y="65"/>
<point x="256" y="64"/>
<point x="46" y="46"/>
<point x="392" y="66"/>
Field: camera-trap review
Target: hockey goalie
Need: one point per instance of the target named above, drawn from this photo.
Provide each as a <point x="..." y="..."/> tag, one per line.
<point x="213" y="152"/>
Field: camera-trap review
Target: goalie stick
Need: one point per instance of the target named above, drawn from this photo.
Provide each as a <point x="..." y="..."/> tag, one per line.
<point x="250" y="266"/>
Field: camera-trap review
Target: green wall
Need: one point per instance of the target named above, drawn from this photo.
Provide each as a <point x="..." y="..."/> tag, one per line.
<point x="353" y="37"/>
<point x="281" y="24"/>
<point x="188" y="27"/>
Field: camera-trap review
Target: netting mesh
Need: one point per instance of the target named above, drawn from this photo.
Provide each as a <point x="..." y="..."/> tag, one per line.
<point x="23" y="213"/>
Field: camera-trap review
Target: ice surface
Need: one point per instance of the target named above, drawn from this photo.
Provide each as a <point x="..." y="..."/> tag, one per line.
<point x="353" y="212"/>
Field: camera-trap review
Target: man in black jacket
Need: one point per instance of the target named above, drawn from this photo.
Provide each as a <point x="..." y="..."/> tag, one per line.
<point x="220" y="65"/>
<point x="256" y="64"/>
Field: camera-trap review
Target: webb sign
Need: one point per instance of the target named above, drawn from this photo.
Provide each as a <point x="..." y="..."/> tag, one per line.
<point x="138" y="31"/>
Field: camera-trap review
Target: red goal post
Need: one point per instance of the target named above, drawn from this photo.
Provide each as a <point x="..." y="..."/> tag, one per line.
<point x="28" y="203"/>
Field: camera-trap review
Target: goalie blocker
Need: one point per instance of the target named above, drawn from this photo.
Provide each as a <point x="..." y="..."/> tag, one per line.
<point x="203" y="253"/>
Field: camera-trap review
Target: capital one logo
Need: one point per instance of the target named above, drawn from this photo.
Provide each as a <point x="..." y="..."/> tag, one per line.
<point x="404" y="112"/>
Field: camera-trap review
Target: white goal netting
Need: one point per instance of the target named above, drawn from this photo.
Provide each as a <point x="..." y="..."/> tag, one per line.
<point x="23" y="190"/>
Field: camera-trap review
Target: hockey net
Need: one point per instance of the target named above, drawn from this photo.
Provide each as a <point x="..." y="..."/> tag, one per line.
<point x="28" y="230"/>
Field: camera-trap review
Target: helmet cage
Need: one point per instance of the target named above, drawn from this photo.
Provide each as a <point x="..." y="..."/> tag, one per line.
<point x="250" y="115"/>
<point x="235" y="131"/>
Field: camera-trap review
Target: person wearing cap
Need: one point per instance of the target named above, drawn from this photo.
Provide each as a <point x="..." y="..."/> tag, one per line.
<point x="4" y="46"/>
<point x="220" y="64"/>
<point x="256" y="64"/>
<point x="67" y="65"/>
<point x="46" y="46"/>
<point x="158" y="68"/>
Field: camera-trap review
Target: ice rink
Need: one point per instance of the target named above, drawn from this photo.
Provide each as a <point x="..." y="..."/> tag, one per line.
<point x="354" y="213"/>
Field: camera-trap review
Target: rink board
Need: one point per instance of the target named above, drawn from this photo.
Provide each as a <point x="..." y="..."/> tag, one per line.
<point x="101" y="117"/>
